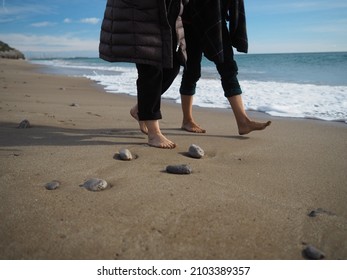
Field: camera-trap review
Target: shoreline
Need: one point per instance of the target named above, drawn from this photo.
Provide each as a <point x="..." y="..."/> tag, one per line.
<point x="49" y="70"/>
<point x="248" y="198"/>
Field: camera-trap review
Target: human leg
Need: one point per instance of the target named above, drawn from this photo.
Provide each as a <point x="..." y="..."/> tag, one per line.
<point x="133" y="112"/>
<point x="228" y="71"/>
<point x="232" y="92"/>
<point x="149" y="88"/>
<point x="147" y="76"/>
<point x="168" y="76"/>
<point x="191" y="74"/>
<point x="244" y="123"/>
<point x="188" y="123"/>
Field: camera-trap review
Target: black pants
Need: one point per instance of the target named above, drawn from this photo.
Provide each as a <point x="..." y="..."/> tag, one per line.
<point x="152" y="82"/>
<point x="227" y="70"/>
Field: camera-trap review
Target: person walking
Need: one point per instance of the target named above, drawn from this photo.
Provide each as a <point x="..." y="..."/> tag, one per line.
<point x="150" y="34"/>
<point x="206" y="32"/>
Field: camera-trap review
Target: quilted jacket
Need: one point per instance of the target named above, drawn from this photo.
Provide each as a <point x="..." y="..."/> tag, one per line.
<point x="139" y="31"/>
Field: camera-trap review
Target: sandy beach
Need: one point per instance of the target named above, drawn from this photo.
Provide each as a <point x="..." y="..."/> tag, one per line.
<point x="249" y="197"/>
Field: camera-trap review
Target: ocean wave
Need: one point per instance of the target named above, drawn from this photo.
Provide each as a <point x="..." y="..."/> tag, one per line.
<point x="274" y="98"/>
<point x="297" y="98"/>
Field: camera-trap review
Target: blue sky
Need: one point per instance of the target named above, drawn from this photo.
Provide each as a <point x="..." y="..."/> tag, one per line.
<point x="71" y="27"/>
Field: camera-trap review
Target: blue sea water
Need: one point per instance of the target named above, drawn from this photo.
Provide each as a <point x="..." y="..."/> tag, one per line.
<point x="300" y="85"/>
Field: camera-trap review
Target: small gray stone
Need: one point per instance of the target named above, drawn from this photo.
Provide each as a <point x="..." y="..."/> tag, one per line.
<point x="125" y="154"/>
<point x="52" y="185"/>
<point x="313" y="253"/>
<point x="195" y="151"/>
<point x="74" y="105"/>
<point x="318" y="211"/>
<point x="94" y="184"/>
<point x="24" y="124"/>
<point x="313" y="213"/>
<point x="179" y="169"/>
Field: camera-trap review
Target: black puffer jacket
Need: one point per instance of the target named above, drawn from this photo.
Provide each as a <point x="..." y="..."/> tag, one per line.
<point x="140" y="31"/>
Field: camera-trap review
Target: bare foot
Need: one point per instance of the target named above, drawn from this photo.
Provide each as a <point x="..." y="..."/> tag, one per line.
<point x="192" y="127"/>
<point x="251" y="126"/>
<point x="133" y="113"/>
<point x="158" y="140"/>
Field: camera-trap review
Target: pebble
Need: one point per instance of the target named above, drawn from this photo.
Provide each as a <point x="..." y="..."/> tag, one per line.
<point x="179" y="169"/>
<point x="313" y="253"/>
<point x="94" y="184"/>
<point x="125" y="154"/>
<point x="195" y="151"/>
<point x="24" y="124"/>
<point x="318" y="211"/>
<point x="52" y="185"/>
<point x="74" y="105"/>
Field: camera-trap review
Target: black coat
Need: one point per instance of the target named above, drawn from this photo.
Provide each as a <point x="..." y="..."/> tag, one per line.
<point x="237" y="25"/>
<point x="139" y="31"/>
<point x="206" y="17"/>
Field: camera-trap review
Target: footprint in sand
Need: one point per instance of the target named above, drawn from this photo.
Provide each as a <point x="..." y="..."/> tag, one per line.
<point x="92" y="114"/>
<point x="319" y="211"/>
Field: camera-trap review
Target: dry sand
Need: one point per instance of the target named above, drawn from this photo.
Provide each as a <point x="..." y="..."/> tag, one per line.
<point x="248" y="198"/>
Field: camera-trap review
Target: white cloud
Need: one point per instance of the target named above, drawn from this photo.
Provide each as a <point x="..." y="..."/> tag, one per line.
<point x="90" y="20"/>
<point x="24" y="10"/>
<point x="49" y="43"/>
<point x="292" y="47"/>
<point x="15" y="13"/>
<point x="43" y="24"/>
<point x="4" y="5"/>
<point x="337" y="26"/>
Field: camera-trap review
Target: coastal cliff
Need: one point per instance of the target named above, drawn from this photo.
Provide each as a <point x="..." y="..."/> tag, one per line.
<point x="7" y="52"/>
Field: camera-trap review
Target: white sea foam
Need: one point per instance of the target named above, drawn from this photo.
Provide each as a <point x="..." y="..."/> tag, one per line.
<point x="276" y="95"/>
<point x="274" y="98"/>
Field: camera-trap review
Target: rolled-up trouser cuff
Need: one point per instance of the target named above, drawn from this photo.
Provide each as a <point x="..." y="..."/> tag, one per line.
<point x="187" y="91"/>
<point x="189" y="79"/>
<point x="150" y="116"/>
<point x="232" y="92"/>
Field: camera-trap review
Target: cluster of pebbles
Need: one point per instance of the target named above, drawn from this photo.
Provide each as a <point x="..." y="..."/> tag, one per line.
<point x="96" y="184"/>
<point x="311" y="252"/>
<point x="194" y="151"/>
<point x="93" y="184"/>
